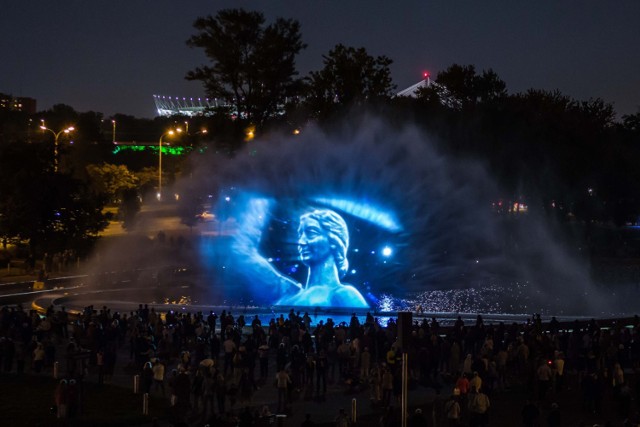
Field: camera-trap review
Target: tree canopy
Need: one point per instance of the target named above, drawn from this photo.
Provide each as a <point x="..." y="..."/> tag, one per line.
<point x="111" y="180"/>
<point x="350" y="75"/>
<point x="460" y="86"/>
<point x="252" y="64"/>
<point x="53" y="211"/>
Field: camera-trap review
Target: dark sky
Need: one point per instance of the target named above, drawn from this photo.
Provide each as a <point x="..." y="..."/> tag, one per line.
<point x="112" y="56"/>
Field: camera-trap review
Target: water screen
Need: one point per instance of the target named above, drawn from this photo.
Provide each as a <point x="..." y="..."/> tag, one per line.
<point x="319" y="252"/>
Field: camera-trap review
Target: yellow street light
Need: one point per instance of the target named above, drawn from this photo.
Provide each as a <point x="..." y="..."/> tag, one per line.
<point x="56" y="136"/>
<point x="170" y="133"/>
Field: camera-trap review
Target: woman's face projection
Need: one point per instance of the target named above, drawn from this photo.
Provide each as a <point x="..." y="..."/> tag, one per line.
<point x="313" y="242"/>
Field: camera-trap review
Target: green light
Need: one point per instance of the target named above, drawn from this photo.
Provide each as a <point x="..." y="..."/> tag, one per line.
<point x="166" y="150"/>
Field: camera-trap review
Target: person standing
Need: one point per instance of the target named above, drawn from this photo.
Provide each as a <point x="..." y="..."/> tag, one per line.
<point x="544" y="375"/>
<point x="321" y="374"/>
<point x="263" y="356"/>
<point x="73" y="399"/>
<point x="183" y="392"/>
<point x="283" y="382"/>
<point x="365" y="364"/>
<point x="158" y="376"/>
<point x="453" y="411"/>
<point x="60" y="397"/>
<point x="478" y="408"/>
<point x="476" y="381"/>
<point x="387" y="387"/>
<point x="100" y="366"/>
<point x="342" y="420"/>
<point x="147" y="378"/>
<point x="229" y="348"/>
<point x="38" y="358"/>
<point x="558" y="370"/>
<point x="208" y="394"/>
<point x="220" y="392"/>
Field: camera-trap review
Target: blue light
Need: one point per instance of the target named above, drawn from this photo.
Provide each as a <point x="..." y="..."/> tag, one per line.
<point x="365" y="211"/>
<point x="387" y="251"/>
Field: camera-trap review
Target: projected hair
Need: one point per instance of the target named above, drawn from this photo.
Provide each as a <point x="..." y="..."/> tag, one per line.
<point x="338" y="235"/>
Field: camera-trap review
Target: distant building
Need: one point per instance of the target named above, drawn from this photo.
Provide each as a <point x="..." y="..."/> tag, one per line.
<point x="444" y="95"/>
<point x="8" y="102"/>
<point x="169" y="106"/>
<point x="412" y="91"/>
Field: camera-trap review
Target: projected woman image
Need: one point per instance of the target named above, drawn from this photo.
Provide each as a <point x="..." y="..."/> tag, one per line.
<point x="323" y="240"/>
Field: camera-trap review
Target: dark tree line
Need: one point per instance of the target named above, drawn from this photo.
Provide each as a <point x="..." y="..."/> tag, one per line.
<point x="571" y="158"/>
<point x="544" y="145"/>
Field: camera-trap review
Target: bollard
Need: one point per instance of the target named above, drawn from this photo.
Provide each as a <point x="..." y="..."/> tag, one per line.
<point x="145" y="404"/>
<point x="136" y="384"/>
<point x="354" y="411"/>
<point x="56" y="367"/>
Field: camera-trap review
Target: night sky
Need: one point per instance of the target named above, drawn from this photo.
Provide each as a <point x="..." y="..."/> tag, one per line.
<point x="113" y="56"/>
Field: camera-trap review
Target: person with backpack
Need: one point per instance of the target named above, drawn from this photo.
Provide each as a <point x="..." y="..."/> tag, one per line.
<point x="453" y="411"/>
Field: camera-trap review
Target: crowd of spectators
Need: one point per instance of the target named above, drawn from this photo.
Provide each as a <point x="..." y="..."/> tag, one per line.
<point x="208" y="366"/>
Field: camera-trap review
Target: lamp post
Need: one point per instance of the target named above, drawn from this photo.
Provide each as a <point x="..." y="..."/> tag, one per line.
<point x="55" y="142"/>
<point x="170" y="133"/>
<point x="113" y="133"/>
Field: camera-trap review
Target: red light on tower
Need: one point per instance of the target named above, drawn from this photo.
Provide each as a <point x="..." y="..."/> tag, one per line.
<point x="425" y="74"/>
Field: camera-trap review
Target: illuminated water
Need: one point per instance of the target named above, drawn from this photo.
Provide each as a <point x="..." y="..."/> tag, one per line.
<point x="424" y="233"/>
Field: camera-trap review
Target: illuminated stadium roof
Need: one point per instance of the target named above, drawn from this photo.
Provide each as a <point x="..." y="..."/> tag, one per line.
<point x="412" y="90"/>
<point x="171" y="105"/>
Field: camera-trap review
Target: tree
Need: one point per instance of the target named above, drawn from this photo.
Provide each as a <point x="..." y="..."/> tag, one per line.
<point x="111" y="180"/>
<point x="147" y="180"/>
<point x="631" y="122"/>
<point x="129" y="208"/>
<point x="52" y="211"/>
<point x="188" y="209"/>
<point x="91" y="145"/>
<point x="253" y="65"/>
<point x="459" y="86"/>
<point x="349" y="76"/>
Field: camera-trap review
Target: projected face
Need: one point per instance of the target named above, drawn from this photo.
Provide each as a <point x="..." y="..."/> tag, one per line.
<point x="323" y="240"/>
<point x="313" y="241"/>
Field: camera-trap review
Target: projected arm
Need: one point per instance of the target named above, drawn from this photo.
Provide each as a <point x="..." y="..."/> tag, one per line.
<point x="266" y="281"/>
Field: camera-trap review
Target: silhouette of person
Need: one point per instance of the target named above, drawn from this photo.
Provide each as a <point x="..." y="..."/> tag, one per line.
<point x="323" y="241"/>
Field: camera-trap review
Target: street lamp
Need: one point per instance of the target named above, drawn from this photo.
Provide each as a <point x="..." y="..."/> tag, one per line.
<point x="55" y="142"/>
<point x="113" y="134"/>
<point x="170" y="133"/>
